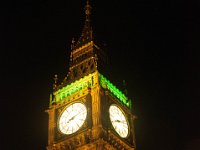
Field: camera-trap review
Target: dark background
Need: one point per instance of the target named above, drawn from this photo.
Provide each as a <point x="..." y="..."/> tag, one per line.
<point x="153" y="45"/>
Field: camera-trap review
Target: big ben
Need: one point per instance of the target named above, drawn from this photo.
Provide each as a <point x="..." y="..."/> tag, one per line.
<point x="86" y="110"/>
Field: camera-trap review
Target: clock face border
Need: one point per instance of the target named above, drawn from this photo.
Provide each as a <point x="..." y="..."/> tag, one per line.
<point x="61" y="113"/>
<point x="126" y="118"/>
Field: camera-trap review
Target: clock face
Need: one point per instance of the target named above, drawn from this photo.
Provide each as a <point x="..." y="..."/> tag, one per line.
<point x="118" y="121"/>
<point x="72" y="118"/>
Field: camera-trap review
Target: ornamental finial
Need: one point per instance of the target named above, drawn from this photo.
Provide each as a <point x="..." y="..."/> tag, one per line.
<point x="72" y="45"/>
<point x="55" y="81"/>
<point x="125" y="86"/>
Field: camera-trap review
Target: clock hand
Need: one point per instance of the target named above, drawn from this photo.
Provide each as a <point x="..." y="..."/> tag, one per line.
<point x="78" y="114"/>
<point x="72" y="118"/>
<point x="123" y="121"/>
<point x="118" y="121"/>
<point x="69" y="120"/>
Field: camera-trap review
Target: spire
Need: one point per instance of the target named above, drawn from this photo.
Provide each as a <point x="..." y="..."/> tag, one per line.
<point x="86" y="35"/>
<point x="87" y="11"/>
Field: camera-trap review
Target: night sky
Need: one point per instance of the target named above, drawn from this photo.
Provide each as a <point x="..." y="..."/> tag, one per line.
<point x="153" y="45"/>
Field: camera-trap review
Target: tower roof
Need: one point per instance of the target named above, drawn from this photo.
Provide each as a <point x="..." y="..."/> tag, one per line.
<point x="84" y="54"/>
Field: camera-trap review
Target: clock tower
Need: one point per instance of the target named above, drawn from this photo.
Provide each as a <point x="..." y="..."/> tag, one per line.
<point x="86" y="110"/>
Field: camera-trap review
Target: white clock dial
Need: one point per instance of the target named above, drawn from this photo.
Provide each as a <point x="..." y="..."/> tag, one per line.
<point x="72" y="118"/>
<point x="118" y="121"/>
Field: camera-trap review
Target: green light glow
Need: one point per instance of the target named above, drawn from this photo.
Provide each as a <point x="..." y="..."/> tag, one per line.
<point x="106" y="84"/>
<point x="88" y="81"/>
<point x="72" y="88"/>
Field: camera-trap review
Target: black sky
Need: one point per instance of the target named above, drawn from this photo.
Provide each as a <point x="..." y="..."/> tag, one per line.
<point x="153" y="45"/>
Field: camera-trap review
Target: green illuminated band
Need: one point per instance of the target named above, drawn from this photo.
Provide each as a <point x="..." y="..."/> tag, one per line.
<point x="72" y="88"/>
<point x="89" y="81"/>
<point x="106" y="84"/>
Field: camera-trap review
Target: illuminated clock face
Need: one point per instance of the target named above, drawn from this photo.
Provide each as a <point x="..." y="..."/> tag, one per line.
<point x="118" y="121"/>
<point x="72" y="118"/>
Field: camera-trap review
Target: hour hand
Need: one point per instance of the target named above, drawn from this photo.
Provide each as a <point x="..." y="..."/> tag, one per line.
<point x="116" y="121"/>
<point x="72" y="118"/>
<point x="119" y="121"/>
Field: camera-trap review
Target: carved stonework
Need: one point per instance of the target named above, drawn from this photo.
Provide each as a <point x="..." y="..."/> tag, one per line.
<point x="84" y="84"/>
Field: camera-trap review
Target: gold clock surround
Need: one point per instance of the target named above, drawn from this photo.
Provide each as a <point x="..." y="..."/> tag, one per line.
<point x="85" y="84"/>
